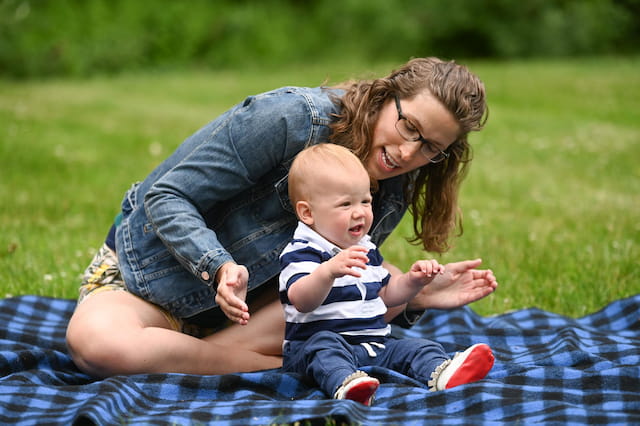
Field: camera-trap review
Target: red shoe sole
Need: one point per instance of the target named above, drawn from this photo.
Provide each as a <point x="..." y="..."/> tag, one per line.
<point x="478" y="363"/>
<point x="363" y="392"/>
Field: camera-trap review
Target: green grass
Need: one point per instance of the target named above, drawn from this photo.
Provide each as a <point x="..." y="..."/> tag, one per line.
<point x="551" y="202"/>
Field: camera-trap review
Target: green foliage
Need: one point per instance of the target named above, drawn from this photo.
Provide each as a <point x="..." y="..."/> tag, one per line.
<point x="550" y="204"/>
<point x="84" y="37"/>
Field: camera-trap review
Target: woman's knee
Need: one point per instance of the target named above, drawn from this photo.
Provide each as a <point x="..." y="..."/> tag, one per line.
<point x="94" y="350"/>
<point x="99" y="333"/>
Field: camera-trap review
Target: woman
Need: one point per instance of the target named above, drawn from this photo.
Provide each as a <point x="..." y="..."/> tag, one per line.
<point x="203" y="231"/>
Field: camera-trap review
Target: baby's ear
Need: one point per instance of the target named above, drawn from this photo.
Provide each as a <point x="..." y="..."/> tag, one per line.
<point x="303" y="210"/>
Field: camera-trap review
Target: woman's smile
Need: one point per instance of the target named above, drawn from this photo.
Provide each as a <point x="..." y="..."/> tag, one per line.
<point x="387" y="161"/>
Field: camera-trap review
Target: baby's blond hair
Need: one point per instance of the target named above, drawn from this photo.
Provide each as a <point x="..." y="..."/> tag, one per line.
<point x="314" y="164"/>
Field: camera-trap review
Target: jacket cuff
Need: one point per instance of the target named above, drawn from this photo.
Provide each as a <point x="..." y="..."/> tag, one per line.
<point x="407" y="318"/>
<point x="209" y="264"/>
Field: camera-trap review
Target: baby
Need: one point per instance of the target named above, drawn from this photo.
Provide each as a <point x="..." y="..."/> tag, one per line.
<point x="335" y="288"/>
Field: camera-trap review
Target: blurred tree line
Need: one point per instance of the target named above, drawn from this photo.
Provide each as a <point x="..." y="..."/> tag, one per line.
<point x="80" y="37"/>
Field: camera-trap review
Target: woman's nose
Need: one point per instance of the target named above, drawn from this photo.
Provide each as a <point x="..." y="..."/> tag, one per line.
<point x="409" y="150"/>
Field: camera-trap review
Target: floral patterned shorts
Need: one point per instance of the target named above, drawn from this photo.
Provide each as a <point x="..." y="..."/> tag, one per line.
<point x="103" y="274"/>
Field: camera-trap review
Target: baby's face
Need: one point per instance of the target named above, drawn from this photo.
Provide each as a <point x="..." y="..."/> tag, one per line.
<point x="341" y="207"/>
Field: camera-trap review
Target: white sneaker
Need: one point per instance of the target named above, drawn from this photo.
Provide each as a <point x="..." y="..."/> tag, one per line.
<point x="359" y="387"/>
<point x="465" y="367"/>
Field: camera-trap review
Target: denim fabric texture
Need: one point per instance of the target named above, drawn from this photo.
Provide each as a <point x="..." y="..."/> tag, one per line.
<point x="222" y="196"/>
<point x="329" y="358"/>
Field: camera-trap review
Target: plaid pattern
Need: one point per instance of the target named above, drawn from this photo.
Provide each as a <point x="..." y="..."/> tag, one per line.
<point x="549" y="368"/>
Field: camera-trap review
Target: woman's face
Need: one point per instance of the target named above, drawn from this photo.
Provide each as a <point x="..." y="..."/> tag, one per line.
<point x="392" y="155"/>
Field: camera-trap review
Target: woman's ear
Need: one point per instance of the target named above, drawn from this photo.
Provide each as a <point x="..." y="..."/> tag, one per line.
<point x="303" y="210"/>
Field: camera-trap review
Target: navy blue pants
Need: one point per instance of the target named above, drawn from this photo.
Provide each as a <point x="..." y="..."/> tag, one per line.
<point x="329" y="358"/>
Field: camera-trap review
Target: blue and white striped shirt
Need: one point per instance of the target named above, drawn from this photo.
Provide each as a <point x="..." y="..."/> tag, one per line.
<point x="352" y="308"/>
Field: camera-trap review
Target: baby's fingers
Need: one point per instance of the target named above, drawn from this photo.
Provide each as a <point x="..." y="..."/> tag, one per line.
<point x="352" y="259"/>
<point x="430" y="267"/>
<point x="358" y="253"/>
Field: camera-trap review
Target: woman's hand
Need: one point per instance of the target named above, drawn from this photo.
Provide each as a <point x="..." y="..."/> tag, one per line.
<point x="460" y="285"/>
<point x="233" y="280"/>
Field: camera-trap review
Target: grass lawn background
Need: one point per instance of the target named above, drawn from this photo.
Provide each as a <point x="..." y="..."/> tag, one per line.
<point x="551" y="202"/>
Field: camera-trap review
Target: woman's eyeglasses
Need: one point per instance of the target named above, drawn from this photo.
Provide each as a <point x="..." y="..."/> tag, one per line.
<point x="410" y="133"/>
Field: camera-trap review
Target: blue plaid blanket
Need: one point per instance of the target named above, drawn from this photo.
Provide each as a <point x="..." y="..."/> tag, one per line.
<point x="549" y="368"/>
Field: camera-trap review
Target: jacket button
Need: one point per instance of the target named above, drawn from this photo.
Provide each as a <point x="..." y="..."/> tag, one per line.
<point x="205" y="276"/>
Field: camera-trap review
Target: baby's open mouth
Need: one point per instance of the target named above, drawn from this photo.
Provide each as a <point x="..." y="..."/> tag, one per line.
<point x="356" y="229"/>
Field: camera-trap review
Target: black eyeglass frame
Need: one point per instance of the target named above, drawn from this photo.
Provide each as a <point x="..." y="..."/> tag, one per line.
<point x="427" y="147"/>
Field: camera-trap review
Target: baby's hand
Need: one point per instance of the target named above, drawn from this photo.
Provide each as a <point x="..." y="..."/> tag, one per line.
<point x="345" y="262"/>
<point x="425" y="271"/>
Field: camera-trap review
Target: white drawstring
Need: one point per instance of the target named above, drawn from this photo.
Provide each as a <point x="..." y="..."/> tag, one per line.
<point x="370" y="350"/>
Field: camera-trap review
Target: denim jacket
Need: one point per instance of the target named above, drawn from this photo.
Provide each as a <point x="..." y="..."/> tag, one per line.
<point x="222" y="196"/>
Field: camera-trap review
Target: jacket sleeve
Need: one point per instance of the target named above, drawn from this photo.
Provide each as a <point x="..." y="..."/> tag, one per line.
<point x="220" y="161"/>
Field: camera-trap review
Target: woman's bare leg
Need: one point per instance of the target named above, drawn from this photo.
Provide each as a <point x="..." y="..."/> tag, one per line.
<point x="118" y="333"/>
<point x="263" y="334"/>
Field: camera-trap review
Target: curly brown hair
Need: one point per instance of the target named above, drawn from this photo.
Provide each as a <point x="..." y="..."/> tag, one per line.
<point x="432" y="190"/>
